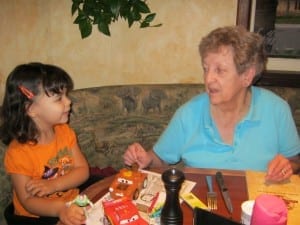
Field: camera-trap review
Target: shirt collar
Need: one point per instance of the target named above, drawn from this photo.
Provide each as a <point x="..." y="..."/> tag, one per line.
<point x="250" y="117"/>
<point x="252" y="114"/>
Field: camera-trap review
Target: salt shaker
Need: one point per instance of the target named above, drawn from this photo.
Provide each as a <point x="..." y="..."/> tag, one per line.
<point x="171" y="213"/>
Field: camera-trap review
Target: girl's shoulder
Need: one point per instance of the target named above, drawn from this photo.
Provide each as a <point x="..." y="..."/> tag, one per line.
<point x="16" y="148"/>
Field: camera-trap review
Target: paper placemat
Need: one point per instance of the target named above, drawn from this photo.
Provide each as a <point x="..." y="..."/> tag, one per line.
<point x="288" y="190"/>
<point x="95" y="215"/>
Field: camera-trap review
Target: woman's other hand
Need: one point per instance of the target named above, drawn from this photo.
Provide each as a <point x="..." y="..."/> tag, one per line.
<point x="279" y="169"/>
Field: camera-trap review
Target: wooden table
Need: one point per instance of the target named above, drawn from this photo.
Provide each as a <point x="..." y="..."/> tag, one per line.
<point x="235" y="181"/>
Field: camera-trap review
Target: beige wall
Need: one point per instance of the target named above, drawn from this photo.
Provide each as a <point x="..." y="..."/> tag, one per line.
<point x="43" y="30"/>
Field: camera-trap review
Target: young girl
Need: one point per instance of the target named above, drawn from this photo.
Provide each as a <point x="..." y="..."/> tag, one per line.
<point x="43" y="158"/>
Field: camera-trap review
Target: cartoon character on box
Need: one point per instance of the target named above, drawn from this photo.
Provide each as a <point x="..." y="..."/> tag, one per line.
<point x="128" y="183"/>
<point x="122" y="211"/>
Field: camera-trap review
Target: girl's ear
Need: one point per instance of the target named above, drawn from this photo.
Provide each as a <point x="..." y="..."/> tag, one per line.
<point x="249" y="76"/>
<point x="29" y="108"/>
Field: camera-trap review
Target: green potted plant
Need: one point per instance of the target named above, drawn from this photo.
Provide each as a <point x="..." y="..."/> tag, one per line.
<point x="104" y="12"/>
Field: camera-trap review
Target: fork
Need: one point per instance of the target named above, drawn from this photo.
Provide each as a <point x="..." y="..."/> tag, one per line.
<point x="211" y="195"/>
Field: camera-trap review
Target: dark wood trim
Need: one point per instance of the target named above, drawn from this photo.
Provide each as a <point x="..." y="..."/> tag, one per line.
<point x="280" y="78"/>
<point x="244" y="13"/>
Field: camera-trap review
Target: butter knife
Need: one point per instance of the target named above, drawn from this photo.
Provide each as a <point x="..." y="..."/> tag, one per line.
<point x="224" y="191"/>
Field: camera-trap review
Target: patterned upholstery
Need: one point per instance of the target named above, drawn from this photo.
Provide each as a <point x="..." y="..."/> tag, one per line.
<point x="108" y="119"/>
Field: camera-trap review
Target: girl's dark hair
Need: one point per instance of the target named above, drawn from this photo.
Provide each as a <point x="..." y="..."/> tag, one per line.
<point x="24" y="82"/>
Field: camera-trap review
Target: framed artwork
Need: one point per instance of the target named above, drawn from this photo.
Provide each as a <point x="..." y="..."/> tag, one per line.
<point x="279" y="22"/>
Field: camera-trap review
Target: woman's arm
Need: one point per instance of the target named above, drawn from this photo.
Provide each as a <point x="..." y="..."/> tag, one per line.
<point x="155" y="160"/>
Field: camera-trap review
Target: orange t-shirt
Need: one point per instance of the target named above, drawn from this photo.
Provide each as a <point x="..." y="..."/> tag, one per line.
<point x="43" y="161"/>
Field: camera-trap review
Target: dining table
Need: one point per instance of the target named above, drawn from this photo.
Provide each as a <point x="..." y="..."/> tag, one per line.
<point x="234" y="180"/>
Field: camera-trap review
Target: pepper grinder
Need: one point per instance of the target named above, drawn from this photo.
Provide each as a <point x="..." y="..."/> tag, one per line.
<point x="171" y="213"/>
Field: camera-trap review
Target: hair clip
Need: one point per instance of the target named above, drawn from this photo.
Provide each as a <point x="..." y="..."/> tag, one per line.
<point x="25" y="91"/>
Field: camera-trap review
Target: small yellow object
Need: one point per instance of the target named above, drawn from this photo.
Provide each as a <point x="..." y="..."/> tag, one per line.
<point x="127" y="173"/>
<point x="193" y="201"/>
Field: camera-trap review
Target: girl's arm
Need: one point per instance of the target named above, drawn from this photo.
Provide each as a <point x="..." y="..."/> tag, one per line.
<point x="72" y="215"/>
<point x="30" y="192"/>
<point x="79" y="174"/>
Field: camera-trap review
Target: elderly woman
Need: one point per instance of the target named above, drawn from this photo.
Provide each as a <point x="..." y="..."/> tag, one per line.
<point x="234" y="125"/>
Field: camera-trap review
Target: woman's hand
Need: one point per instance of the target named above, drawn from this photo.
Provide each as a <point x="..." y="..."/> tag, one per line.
<point x="40" y="187"/>
<point x="135" y="153"/>
<point x="72" y="215"/>
<point x="279" y="169"/>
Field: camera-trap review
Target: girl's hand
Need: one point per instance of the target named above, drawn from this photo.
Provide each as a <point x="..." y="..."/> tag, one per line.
<point x="279" y="169"/>
<point x="40" y="187"/>
<point x="72" y="215"/>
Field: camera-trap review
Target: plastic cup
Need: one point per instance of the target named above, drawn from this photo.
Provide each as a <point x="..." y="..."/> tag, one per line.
<point x="247" y="208"/>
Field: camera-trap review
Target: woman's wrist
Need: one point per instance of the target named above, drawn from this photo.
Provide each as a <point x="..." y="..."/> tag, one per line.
<point x="149" y="160"/>
<point x="155" y="161"/>
<point x="295" y="164"/>
<point x="296" y="167"/>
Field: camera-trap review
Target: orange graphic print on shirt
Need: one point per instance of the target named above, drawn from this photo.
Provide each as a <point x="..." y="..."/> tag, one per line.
<point x="48" y="161"/>
<point x="58" y="165"/>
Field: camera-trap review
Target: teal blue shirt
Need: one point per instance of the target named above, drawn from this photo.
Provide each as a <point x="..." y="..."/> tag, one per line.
<point x="266" y="130"/>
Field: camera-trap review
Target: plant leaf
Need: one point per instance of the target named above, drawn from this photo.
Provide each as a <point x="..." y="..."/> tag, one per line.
<point x="150" y="17"/>
<point x="103" y="27"/>
<point x="142" y="6"/>
<point x="115" y="6"/>
<point x="74" y="8"/>
<point x="130" y="20"/>
<point x="135" y="15"/>
<point x="144" y="24"/>
<point x="85" y="28"/>
<point x="125" y="9"/>
<point x="103" y="12"/>
<point x="90" y="8"/>
<point x="81" y="16"/>
<point x="77" y="1"/>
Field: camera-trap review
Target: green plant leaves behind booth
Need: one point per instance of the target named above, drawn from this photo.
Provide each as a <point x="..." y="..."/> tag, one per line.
<point x="104" y="12"/>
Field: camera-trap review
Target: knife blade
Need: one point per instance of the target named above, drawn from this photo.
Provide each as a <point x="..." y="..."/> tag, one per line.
<point x="224" y="191"/>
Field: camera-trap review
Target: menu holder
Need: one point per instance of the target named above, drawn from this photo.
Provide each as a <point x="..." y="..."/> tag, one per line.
<point x="288" y="190"/>
<point x="204" y="217"/>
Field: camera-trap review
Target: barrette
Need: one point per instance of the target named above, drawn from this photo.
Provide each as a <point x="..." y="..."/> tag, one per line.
<point x="25" y="91"/>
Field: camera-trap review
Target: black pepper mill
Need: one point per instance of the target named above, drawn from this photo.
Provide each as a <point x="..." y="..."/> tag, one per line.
<point x="171" y="213"/>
